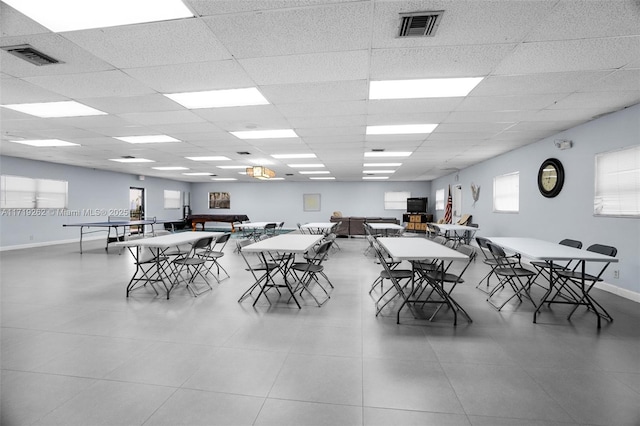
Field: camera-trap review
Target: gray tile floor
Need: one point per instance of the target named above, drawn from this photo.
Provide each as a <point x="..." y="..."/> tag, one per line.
<point x="76" y="351"/>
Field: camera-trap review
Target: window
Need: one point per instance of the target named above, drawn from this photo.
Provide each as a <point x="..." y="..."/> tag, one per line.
<point x="172" y="199"/>
<point x="506" y="193"/>
<point x="396" y="200"/>
<point x="617" y="186"/>
<point x="19" y="192"/>
<point x="440" y="199"/>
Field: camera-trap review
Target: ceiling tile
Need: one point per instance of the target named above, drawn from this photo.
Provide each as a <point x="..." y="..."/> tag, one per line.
<point x="193" y="77"/>
<point x="308" y="68"/>
<point x="91" y="84"/>
<point x="295" y="31"/>
<point x="158" y="43"/>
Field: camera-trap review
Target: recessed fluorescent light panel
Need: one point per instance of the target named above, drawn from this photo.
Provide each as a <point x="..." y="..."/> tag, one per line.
<point x="148" y="139"/>
<point x="71" y="15"/>
<point x="169" y="168"/>
<point x="132" y="160"/>
<point x="375" y="177"/>
<point x="302" y="166"/>
<point x="290" y="156"/>
<point x="386" y="154"/>
<point x="219" y="98"/>
<point x="315" y="172"/>
<point x="401" y="129"/>
<point x="55" y="109"/>
<point x="379" y="171"/>
<point x="423" y="88"/>
<point x="382" y="164"/>
<point x="265" y="134"/>
<point x="222" y="179"/>
<point x="43" y="143"/>
<point x="212" y="158"/>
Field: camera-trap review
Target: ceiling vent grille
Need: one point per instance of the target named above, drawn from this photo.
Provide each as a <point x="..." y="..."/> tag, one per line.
<point x="419" y="24"/>
<point x="29" y="54"/>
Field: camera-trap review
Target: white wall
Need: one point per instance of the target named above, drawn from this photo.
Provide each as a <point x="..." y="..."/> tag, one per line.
<point x="570" y="214"/>
<point x="283" y="201"/>
<point x="88" y="189"/>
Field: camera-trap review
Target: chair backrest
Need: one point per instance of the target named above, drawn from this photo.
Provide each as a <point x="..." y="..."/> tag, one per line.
<point x="571" y="243"/>
<point x="467" y="250"/>
<point x="300" y="228"/>
<point x="321" y="252"/>
<point x="221" y="242"/>
<point x="270" y="229"/>
<point x="439" y="239"/>
<point x="482" y="243"/>
<point x="497" y="251"/>
<point x="602" y="249"/>
<point x="280" y="225"/>
<point x="464" y="219"/>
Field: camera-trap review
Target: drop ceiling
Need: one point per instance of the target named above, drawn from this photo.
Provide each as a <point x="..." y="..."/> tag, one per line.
<point x="547" y="66"/>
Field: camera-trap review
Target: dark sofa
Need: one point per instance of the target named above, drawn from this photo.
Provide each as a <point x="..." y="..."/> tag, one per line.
<point x="354" y="225"/>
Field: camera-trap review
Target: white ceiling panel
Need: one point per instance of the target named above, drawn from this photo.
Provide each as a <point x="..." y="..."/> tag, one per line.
<point x="316" y="92"/>
<point x="295" y="31"/>
<point x="326" y="109"/>
<point x="532" y="84"/>
<point x="572" y="55"/>
<point x="598" y="100"/>
<point x="574" y="19"/>
<point x="437" y="62"/>
<point x="219" y="7"/>
<point x="308" y="68"/>
<point x="158" y="43"/>
<point x="92" y="84"/>
<point x="547" y="66"/>
<point x="15" y="90"/>
<point x="162" y="117"/>
<point x="193" y="77"/>
<point x="125" y="104"/>
<point x="303" y="123"/>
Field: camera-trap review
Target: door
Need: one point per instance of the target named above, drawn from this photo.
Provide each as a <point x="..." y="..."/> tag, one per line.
<point x="456" y="203"/>
<point x="136" y="207"/>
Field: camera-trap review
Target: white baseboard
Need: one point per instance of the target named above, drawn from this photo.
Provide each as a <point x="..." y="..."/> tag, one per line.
<point x="49" y="243"/>
<point x="622" y="292"/>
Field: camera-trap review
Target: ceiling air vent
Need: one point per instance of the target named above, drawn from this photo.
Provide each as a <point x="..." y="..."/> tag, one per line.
<point x="419" y="24"/>
<point x="29" y="54"/>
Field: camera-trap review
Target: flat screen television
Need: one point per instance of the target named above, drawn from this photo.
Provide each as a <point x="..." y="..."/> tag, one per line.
<point x="417" y="205"/>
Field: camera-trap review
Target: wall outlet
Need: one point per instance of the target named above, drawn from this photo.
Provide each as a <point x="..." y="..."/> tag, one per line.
<point x="616" y="274"/>
<point x="30" y="237"/>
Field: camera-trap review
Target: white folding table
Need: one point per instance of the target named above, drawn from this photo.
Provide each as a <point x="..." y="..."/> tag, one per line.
<point x="318" y="227"/>
<point x="288" y="245"/>
<point x="549" y="252"/>
<point x="158" y="246"/>
<point x="420" y="249"/>
<point x="384" y="228"/>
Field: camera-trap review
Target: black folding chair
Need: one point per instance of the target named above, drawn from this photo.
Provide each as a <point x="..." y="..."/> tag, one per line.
<point x="516" y="276"/>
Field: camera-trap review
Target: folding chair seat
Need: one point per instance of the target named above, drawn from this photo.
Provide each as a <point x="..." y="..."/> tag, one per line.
<point x="444" y="282"/>
<point x="214" y="253"/>
<point x="310" y="270"/>
<point x="490" y="261"/>
<point x="193" y="264"/>
<point x="260" y="271"/>
<point x="516" y="276"/>
<point x="270" y="229"/>
<point x="583" y="282"/>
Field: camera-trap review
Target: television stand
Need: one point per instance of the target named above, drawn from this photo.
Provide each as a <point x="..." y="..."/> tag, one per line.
<point x="417" y="222"/>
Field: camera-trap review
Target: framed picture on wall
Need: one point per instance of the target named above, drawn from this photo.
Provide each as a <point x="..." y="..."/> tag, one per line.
<point x="311" y="202"/>
<point x="219" y="200"/>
